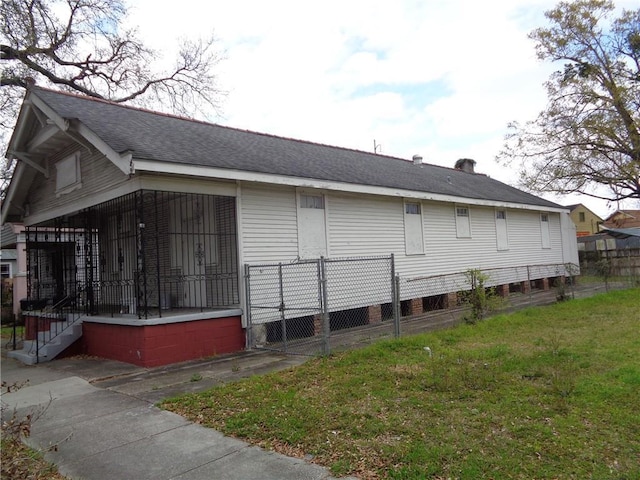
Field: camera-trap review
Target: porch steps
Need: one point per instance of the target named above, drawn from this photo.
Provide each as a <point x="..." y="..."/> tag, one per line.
<point x="48" y="349"/>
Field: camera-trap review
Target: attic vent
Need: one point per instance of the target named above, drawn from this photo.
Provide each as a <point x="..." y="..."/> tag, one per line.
<point x="417" y="160"/>
<point x="466" y="165"/>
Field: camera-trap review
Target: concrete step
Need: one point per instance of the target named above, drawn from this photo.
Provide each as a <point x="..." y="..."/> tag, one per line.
<point x="23" y="356"/>
<point x="48" y="350"/>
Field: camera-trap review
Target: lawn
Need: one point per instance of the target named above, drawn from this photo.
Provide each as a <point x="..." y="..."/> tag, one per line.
<point x="547" y="392"/>
<point x="7" y="332"/>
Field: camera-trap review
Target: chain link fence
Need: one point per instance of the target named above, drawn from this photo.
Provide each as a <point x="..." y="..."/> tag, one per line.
<point x="298" y="307"/>
<point x="318" y="306"/>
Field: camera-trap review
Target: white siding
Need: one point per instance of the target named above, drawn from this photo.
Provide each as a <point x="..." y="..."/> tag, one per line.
<point x="98" y="174"/>
<point x="368" y="225"/>
<point x="360" y="225"/>
<point x="569" y="245"/>
<point x="269" y="224"/>
<point x="365" y="225"/>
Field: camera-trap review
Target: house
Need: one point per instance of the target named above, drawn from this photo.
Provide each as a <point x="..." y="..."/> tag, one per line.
<point x="139" y="224"/>
<point x="587" y="222"/>
<point x="622" y="219"/>
<point x="13" y="262"/>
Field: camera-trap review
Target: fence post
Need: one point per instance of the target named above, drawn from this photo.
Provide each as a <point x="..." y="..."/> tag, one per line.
<point x="396" y="306"/>
<point x="394" y="296"/>
<point x="283" y="318"/>
<point x="326" y="327"/>
<point x="247" y="313"/>
<point x="529" y="283"/>
<point x="573" y="279"/>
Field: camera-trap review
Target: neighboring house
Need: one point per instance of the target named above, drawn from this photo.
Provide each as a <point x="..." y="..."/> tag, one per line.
<point x="623" y="219"/>
<point x="14" y="261"/>
<point x="587" y="222"/>
<point x="140" y="223"/>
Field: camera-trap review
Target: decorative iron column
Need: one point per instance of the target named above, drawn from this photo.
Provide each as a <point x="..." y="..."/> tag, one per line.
<point x="141" y="277"/>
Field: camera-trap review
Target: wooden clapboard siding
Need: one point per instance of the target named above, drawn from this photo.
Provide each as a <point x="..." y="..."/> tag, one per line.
<point x="98" y="175"/>
<point x="269" y="224"/>
<point x="364" y="225"/>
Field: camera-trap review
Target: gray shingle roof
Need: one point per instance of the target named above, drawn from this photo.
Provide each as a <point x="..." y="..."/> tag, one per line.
<point x="165" y="138"/>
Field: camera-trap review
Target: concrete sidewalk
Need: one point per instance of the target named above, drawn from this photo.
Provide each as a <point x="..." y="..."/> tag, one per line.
<point x="100" y="416"/>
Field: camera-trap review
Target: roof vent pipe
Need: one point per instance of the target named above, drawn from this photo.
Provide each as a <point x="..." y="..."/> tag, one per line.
<point x="417" y="160"/>
<point x="466" y="165"/>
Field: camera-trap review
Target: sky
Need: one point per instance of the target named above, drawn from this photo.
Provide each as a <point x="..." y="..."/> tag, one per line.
<point x="438" y="78"/>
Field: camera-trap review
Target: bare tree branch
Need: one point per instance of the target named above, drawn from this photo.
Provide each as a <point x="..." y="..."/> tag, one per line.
<point x="79" y="45"/>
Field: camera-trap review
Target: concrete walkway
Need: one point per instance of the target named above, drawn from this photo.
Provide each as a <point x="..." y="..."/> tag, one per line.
<point x="101" y="417"/>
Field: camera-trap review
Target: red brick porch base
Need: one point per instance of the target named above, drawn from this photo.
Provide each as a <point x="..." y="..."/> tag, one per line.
<point x="34" y="324"/>
<point x="162" y="344"/>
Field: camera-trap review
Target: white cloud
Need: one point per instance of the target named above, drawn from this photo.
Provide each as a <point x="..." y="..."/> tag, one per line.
<point x="441" y="77"/>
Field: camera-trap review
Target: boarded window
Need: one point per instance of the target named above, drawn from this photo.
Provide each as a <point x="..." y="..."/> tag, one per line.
<point x="502" y="236"/>
<point x="413" y="236"/>
<point x="312" y="231"/>
<point x="544" y="230"/>
<point x="463" y="226"/>
<point x="68" y="174"/>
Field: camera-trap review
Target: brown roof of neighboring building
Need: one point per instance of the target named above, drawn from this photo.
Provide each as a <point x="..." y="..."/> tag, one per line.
<point x="623" y="219"/>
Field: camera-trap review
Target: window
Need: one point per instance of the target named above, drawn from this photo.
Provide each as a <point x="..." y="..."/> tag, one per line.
<point x="502" y="236"/>
<point x="413" y="236"/>
<point x="581" y="216"/>
<point x="5" y="270"/>
<point x="412" y="208"/>
<point x="312" y="201"/>
<point x="463" y="226"/>
<point x="68" y="174"/>
<point x="544" y="230"/>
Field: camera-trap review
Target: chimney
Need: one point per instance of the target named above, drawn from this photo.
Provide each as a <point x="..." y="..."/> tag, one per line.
<point x="30" y="82"/>
<point x="466" y="165"/>
<point x="417" y="160"/>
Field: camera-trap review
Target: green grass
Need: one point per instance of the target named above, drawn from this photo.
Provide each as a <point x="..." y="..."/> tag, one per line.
<point x="548" y="392"/>
<point x="6" y="332"/>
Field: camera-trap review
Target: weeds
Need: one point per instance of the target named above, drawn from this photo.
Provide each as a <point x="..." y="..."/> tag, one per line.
<point x="483" y="300"/>
<point x="19" y="460"/>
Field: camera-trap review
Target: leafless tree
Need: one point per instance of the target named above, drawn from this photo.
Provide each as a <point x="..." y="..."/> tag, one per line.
<point x="81" y="46"/>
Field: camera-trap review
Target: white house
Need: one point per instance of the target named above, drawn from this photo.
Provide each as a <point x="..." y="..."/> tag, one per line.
<point x="165" y="211"/>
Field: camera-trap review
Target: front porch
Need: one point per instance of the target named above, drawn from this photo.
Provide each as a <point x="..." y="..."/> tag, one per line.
<point x="138" y="268"/>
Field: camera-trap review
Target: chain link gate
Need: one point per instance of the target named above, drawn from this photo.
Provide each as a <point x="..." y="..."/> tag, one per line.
<point x="316" y="306"/>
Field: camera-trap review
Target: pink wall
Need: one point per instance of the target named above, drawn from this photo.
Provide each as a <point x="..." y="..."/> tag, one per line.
<point x="155" y="345"/>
